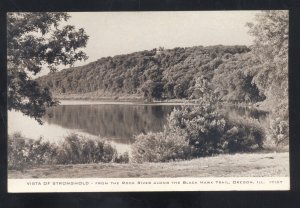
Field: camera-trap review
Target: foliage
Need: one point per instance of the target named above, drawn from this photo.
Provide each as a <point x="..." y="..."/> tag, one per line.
<point x="270" y="33"/>
<point x="23" y="152"/>
<point x="74" y="149"/>
<point x="152" y="89"/>
<point x="280" y="131"/>
<point x="271" y="48"/>
<point x="35" y="40"/>
<point x="122" y="158"/>
<point x="233" y="80"/>
<point x="243" y="134"/>
<point x="163" y="74"/>
<point x="159" y="147"/>
<point x="209" y="132"/>
<point x="197" y="131"/>
<point x="201" y="127"/>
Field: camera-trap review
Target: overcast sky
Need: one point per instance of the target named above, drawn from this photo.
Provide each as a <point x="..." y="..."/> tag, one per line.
<point x="114" y="33"/>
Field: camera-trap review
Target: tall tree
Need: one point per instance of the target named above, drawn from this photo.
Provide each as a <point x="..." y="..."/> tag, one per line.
<point x="35" y="40"/>
<point x="271" y="48"/>
<point x="271" y="32"/>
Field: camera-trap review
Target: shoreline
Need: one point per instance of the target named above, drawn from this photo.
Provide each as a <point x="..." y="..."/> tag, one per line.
<point x="173" y="102"/>
<point x="121" y="102"/>
<point x="137" y="99"/>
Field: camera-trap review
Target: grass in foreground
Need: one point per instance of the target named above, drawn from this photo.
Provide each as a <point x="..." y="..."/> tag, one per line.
<point x="238" y="165"/>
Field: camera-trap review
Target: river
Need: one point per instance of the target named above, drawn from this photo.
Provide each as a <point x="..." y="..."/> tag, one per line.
<point x="117" y="122"/>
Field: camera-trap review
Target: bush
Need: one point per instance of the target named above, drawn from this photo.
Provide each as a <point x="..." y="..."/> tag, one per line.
<point x="209" y="132"/>
<point x="123" y="158"/>
<point x="279" y="130"/>
<point x="193" y="132"/>
<point x="74" y="149"/>
<point x="201" y="127"/>
<point x="17" y="152"/>
<point x="25" y="152"/>
<point x="159" y="147"/>
<point x="243" y="134"/>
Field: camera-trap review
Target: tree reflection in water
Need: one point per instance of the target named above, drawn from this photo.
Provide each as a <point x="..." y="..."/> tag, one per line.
<point x="117" y="122"/>
<point x="121" y="122"/>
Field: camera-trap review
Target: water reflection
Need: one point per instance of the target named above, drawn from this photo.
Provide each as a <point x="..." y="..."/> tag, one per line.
<point x="117" y="122"/>
<point x="234" y="111"/>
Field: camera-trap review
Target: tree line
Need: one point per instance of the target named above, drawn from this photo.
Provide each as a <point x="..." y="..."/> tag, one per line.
<point x="164" y="74"/>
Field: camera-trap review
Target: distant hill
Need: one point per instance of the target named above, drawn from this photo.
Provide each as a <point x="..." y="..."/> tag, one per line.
<point x="162" y="74"/>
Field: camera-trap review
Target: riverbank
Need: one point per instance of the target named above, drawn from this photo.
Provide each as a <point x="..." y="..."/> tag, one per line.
<point x="237" y="165"/>
<point x="98" y="98"/>
<point x="118" y="102"/>
<point x="69" y="99"/>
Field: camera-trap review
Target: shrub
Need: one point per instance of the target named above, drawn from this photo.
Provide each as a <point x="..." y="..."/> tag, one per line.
<point x="201" y="127"/>
<point x="159" y="147"/>
<point x="107" y="153"/>
<point x="25" y="152"/>
<point x="123" y="158"/>
<point x="243" y="134"/>
<point x="41" y="151"/>
<point x="70" y="150"/>
<point x="279" y="130"/>
<point x="75" y="150"/>
<point x="17" y="152"/>
<point x="209" y="132"/>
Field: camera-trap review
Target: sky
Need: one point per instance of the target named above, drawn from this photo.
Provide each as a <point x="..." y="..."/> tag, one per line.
<point x="115" y="33"/>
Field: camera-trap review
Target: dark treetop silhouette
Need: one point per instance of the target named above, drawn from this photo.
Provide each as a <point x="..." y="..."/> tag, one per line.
<point x="35" y="40"/>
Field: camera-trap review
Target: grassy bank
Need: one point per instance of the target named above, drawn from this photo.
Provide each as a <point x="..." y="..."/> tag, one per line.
<point x="238" y="165"/>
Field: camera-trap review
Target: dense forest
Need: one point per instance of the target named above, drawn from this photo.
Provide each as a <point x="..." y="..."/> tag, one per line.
<point x="165" y="74"/>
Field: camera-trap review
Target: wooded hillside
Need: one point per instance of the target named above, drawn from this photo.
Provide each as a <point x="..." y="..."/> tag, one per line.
<point x="165" y="74"/>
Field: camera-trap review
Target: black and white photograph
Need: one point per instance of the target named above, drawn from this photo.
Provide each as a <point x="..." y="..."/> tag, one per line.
<point x="148" y="101"/>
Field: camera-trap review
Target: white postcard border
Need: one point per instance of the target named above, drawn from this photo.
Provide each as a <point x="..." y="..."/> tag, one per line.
<point x="148" y="184"/>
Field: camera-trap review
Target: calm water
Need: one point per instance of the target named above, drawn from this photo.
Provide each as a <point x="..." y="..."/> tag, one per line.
<point x="116" y="122"/>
